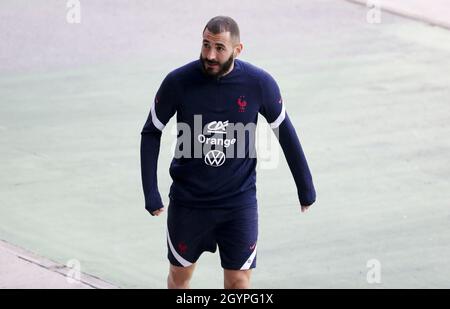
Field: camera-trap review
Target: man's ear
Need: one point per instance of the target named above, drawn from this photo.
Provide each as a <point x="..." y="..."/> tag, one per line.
<point x="238" y="49"/>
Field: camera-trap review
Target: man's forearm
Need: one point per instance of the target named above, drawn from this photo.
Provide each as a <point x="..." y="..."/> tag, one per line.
<point x="150" y="144"/>
<point x="296" y="159"/>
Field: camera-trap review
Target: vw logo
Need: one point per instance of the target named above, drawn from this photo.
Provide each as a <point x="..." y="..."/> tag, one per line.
<point x="215" y="158"/>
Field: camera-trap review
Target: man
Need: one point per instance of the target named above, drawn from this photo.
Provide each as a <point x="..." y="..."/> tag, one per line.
<point x="213" y="194"/>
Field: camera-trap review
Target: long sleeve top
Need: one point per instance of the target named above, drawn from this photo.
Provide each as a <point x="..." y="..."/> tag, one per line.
<point x="215" y="158"/>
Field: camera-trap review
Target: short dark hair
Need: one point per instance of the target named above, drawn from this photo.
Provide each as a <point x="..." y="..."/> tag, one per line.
<point x="221" y="24"/>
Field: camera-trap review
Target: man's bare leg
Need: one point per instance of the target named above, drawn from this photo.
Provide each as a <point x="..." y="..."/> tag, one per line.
<point x="237" y="279"/>
<point x="179" y="277"/>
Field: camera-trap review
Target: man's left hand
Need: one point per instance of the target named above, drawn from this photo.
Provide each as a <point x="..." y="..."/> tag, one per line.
<point x="305" y="208"/>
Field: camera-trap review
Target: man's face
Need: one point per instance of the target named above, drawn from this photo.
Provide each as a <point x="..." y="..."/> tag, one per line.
<point x="218" y="53"/>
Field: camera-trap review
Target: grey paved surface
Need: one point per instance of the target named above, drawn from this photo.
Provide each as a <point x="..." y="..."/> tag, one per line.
<point x="370" y="103"/>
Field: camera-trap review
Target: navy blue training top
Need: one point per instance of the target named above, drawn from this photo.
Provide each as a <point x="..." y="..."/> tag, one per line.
<point x="212" y="165"/>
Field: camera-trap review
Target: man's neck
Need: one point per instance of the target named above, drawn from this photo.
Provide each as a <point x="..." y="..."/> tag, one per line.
<point x="229" y="70"/>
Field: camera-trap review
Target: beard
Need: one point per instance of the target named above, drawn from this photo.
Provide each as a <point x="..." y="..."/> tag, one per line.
<point x="223" y="67"/>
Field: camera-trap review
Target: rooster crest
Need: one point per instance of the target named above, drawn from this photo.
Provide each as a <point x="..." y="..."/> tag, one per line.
<point x="242" y="103"/>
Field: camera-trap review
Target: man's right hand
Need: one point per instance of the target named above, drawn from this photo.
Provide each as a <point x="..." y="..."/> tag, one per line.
<point x="158" y="211"/>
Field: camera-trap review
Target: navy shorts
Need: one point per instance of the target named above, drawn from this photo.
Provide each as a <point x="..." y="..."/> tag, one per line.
<point x="192" y="231"/>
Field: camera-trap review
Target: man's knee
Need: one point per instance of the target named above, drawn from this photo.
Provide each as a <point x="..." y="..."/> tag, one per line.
<point x="237" y="279"/>
<point x="175" y="281"/>
<point x="238" y="283"/>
